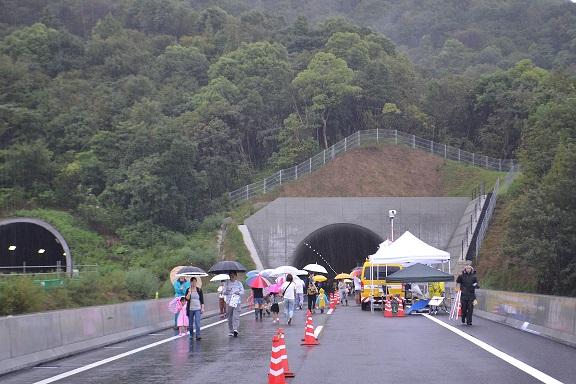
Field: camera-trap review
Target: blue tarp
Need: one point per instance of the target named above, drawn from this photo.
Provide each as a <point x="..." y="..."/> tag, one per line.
<point x="420" y="304"/>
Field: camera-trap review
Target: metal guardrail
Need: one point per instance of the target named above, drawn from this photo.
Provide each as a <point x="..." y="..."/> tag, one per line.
<point x="45" y="271"/>
<point x="356" y="140"/>
<point x="487" y="217"/>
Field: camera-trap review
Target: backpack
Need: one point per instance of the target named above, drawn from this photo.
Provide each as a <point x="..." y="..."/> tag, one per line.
<point x="312" y="289"/>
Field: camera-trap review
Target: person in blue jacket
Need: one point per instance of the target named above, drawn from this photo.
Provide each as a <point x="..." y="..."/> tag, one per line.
<point x="181" y="285"/>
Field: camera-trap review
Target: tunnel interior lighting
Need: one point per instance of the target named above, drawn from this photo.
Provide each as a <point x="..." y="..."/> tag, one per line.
<point x="41" y="250"/>
<point x="12" y="248"/>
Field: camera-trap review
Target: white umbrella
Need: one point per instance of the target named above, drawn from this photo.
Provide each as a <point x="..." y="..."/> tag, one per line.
<point x="302" y="272"/>
<point x="315" y="268"/>
<point x="285" y="269"/>
<point x="267" y="272"/>
<point x="221" y="277"/>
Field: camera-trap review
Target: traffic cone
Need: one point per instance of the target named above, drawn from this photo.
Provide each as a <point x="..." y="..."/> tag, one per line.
<point x="400" y="307"/>
<point x="276" y="372"/>
<point x="387" y="308"/>
<point x="332" y="303"/>
<point x="309" y="338"/>
<point x="287" y="372"/>
<point x="459" y="309"/>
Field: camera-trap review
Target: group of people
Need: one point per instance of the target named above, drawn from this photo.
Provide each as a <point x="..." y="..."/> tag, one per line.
<point x="191" y="306"/>
<point x="230" y="292"/>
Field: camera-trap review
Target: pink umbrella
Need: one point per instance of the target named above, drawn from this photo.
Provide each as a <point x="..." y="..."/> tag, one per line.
<point x="274" y="288"/>
<point x="258" y="282"/>
<point x="174" y="305"/>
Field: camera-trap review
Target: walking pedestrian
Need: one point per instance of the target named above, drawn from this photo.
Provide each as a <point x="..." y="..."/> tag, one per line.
<point x="467" y="284"/>
<point x="258" y="297"/>
<point x="221" y="301"/>
<point x="343" y="289"/>
<point x="357" y="288"/>
<point x="311" y="292"/>
<point x="289" y="294"/>
<point x="322" y="300"/>
<point x="182" y="317"/>
<point x="233" y="291"/>
<point x="180" y="286"/>
<point x="299" y="292"/>
<point x="275" y="308"/>
<point x="195" y="305"/>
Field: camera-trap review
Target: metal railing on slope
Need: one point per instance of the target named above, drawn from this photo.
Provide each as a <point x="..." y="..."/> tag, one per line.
<point x="356" y="140"/>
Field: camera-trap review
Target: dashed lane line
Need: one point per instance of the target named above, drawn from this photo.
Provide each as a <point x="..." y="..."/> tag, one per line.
<point x="539" y="375"/>
<point x="122" y="355"/>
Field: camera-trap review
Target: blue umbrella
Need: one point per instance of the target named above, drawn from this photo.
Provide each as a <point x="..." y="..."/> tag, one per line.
<point x="252" y="273"/>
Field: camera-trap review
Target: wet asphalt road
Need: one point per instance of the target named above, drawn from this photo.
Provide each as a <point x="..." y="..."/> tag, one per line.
<point x="355" y="347"/>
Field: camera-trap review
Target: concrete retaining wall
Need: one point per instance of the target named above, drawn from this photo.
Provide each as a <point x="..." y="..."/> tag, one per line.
<point x="282" y="225"/>
<point x="553" y="317"/>
<point x="28" y="340"/>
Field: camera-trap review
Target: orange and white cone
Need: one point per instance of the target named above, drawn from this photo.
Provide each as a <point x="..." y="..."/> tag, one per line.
<point x="332" y="302"/>
<point x="287" y="372"/>
<point x="387" y="308"/>
<point x="276" y="372"/>
<point x="459" y="309"/>
<point x="400" y="307"/>
<point x="309" y="337"/>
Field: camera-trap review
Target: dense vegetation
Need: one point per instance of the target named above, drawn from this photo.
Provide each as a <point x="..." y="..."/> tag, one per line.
<point x="138" y="115"/>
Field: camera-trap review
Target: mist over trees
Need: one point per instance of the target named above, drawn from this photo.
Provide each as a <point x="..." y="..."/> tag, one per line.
<point x="140" y="114"/>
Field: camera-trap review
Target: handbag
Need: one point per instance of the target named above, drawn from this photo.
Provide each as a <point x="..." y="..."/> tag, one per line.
<point x="234" y="301"/>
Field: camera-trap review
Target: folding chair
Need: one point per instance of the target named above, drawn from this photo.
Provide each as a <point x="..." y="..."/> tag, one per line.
<point x="437" y="303"/>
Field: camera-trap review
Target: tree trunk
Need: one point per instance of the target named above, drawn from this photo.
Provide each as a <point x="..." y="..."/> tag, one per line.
<point x="324" y="123"/>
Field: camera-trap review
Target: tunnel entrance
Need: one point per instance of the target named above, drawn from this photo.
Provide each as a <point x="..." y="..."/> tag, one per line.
<point x="32" y="246"/>
<point x="343" y="246"/>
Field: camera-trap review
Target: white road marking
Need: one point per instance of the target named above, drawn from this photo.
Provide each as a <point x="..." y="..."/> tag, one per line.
<point x="539" y="375"/>
<point x="156" y="334"/>
<point x="318" y="330"/>
<point x="115" y="347"/>
<point x="46" y="367"/>
<point x="128" y="353"/>
<point x="330" y="311"/>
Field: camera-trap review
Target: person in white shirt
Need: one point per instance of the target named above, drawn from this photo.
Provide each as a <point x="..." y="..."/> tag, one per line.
<point x="357" y="288"/>
<point x="299" y="292"/>
<point x="289" y="293"/>
<point x="233" y="291"/>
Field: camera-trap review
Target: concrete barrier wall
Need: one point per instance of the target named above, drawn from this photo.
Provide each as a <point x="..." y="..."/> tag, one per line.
<point x="550" y="316"/>
<point x="28" y="340"/>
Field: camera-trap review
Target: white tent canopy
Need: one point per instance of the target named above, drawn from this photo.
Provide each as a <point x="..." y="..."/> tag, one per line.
<point x="409" y="249"/>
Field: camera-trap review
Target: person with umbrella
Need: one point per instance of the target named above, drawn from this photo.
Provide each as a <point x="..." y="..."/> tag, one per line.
<point x="195" y="307"/>
<point x="180" y="287"/>
<point x="311" y="292"/>
<point x="289" y="294"/>
<point x="233" y="291"/>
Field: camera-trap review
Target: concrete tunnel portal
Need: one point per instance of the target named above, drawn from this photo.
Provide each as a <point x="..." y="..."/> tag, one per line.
<point x="343" y="246"/>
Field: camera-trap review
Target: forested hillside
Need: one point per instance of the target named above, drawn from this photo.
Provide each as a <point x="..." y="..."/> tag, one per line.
<point x="454" y="36"/>
<point x="139" y="115"/>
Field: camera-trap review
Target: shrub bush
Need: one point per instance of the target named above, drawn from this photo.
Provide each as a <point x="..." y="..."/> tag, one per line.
<point x="141" y="283"/>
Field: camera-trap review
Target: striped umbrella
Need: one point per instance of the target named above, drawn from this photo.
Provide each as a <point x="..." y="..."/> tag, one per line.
<point x="258" y="282"/>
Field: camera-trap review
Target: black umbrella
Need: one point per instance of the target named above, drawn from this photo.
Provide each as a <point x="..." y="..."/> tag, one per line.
<point x="191" y="271"/>
<point x="227" y="266"/>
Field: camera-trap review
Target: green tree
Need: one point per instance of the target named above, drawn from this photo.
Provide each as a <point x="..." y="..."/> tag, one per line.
<point x="542" y="226"/>
<point x="324" y="85"/>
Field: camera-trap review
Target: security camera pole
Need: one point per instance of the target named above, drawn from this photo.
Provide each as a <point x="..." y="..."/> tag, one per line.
<point x="391" y="215"/>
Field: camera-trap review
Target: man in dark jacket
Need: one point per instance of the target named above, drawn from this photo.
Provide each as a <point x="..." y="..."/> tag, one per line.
<point x="467" y="284"/>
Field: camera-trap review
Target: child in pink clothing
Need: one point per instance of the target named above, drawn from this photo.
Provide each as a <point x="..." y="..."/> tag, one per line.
<point x="182" y="320"/>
